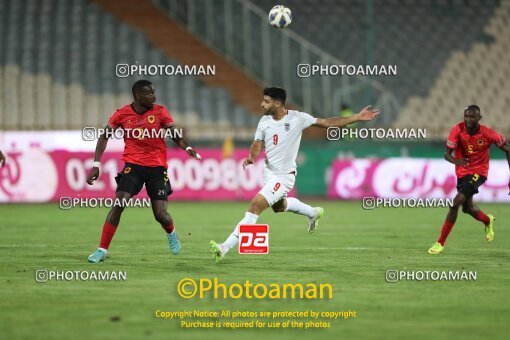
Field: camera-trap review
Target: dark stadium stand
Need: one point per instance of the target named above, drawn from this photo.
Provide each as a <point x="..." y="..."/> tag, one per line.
<point x="416" y="35"/>
<point x="478" y="75"/>
<point x="58" y="48"/>
<point x="437" y="45"/>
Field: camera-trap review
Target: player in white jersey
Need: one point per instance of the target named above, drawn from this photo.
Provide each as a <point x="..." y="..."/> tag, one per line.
<point x="279" y="130"/>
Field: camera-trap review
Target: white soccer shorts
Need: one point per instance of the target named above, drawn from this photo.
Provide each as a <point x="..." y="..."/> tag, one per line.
<point x="276" y="187"/>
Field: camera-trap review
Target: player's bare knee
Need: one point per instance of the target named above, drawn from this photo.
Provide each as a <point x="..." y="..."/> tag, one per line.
<point x="473" y="211"/>
<point x="466" y="210"/>
<point x="458" y="202"/>
<point x="258" y="204"/>
<point x="162" y="216"/>
<point x="122" y="194"/>
<point x="162" y="219"/>
<point x="254" y="208"/>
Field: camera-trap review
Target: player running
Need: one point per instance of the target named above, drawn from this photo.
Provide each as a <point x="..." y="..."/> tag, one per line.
<point x="471" y="142"/>
<point x="279" y="130"/>
<point x="145" y="163"/>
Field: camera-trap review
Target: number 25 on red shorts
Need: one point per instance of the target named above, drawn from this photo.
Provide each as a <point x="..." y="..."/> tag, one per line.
<point x="253" y="239"/>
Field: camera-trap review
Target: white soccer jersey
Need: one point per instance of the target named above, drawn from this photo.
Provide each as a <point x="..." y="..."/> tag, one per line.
<point x="282" y="139"/>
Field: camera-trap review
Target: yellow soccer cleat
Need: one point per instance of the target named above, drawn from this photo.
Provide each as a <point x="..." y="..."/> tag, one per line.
<point x="489" y="229"/>
<point x="436" y="249"/>
<point x="216" y="250"/>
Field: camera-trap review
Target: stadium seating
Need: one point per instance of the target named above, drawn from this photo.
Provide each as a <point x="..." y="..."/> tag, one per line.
<point x="57" y="70"/>
<point x="57" y="62"/>
<point x="479" y="75"/>
<point x="420" y="37"/>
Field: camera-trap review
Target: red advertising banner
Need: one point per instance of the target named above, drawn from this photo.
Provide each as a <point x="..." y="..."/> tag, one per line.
<point x="36" y="175"/>
<point x="410" y="178"/>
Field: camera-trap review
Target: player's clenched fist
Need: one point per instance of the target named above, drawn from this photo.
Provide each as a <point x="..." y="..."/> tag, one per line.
<point x="93" y="175"/>
<point x="247" y="162"/>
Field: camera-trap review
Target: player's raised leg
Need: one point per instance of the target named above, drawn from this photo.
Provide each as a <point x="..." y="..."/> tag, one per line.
<point x="448" y="224"/>
<point x="294" y="205"/>
<point x="275" y="191"/>
<point x="257" y="206"/>
<point x="488" y="220"/>
<point x="109" y="228"/>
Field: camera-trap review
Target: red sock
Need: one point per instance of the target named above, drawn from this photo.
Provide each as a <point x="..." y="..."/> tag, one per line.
<point x="447" y="227"/>
<point x="106" y="237"/>
<point x="169" y="229"/>
<point x="482" y="217"/>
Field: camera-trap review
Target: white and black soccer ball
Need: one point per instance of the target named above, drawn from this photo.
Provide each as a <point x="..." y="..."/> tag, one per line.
<point x="280" y="16"/>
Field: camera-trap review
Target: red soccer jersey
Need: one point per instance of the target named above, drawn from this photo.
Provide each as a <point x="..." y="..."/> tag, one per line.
<point x="475" y="148"/>
<point x="143" y="151"/>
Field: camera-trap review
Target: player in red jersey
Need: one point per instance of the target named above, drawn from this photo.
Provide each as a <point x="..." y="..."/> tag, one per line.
<point x="471" y="143"/>
<point x="145" y="162"/>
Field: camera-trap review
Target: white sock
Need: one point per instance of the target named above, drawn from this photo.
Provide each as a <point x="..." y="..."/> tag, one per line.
<point x="232" y="240"/>
<point x="298" y="207"/>
<point x="105" y="250"/>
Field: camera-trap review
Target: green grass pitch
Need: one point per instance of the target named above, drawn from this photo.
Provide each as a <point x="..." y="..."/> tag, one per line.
<point x="351" y="250"/>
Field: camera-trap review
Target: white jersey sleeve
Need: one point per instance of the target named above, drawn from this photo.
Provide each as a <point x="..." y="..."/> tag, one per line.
<point x="306" y="119"/>
<point x="259" y="133"/>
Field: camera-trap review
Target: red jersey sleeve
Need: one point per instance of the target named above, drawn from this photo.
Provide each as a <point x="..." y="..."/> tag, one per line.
<point x="453" y="138"/>
<point x="166" y="119"/>
<point x="114" y="119"/>
<point x="495" y="138"/>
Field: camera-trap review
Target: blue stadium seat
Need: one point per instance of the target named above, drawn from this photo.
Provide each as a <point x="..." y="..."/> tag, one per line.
<point x="63" y="53"/>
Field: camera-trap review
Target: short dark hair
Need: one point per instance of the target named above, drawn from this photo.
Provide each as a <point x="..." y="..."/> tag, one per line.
<point x="276" y="93"/>
<point x="472" y="107"/>
<point x="138" y="85"/>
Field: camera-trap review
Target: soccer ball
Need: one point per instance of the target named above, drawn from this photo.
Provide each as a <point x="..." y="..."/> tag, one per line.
<point x="280" y="16"/>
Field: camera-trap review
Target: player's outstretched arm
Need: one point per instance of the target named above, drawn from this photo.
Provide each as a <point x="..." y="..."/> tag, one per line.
<point x="255" y="150"/>
<point x="102" y="141"/>
<point x="364" y="115"/>
<point x="183" y="143"/>
<point x="506" y="149"/>
<point x="450" y="158"/>
<point x="2" y="158"/>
